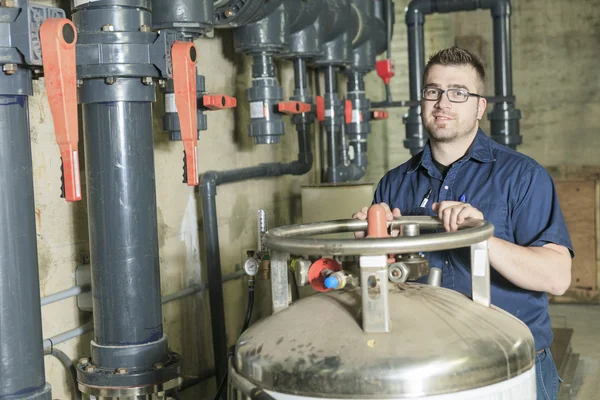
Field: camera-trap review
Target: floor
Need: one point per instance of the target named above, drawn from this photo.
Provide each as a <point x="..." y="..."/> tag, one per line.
<point x="585" y="322"/>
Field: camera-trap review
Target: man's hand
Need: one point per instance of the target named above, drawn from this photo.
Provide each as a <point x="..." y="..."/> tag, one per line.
<point x="454" y="213"/>
<point x="389" y="215"/>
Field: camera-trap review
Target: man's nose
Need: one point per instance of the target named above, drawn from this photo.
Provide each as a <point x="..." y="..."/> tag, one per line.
<point x="443" y="101"/>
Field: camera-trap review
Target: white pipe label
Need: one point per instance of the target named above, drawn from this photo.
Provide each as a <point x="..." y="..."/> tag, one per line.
<point x="258" y="110"/>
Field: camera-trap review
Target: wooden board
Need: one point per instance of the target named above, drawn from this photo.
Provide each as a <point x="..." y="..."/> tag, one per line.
<point x="578" y="203"/>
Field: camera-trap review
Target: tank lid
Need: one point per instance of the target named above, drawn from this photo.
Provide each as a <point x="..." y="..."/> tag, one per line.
<point x="441" y="342"/>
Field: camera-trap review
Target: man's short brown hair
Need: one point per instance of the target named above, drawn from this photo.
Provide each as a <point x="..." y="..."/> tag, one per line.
<point x="455" y="56"/>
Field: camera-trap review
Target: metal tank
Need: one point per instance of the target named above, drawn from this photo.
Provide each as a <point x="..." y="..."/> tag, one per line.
<point x="374" y="334"/>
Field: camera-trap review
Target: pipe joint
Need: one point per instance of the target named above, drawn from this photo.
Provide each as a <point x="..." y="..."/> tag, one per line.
<point x="416" y="11"/>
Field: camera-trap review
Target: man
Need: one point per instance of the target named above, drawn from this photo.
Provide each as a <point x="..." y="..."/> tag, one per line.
<point x="463" y="174"/>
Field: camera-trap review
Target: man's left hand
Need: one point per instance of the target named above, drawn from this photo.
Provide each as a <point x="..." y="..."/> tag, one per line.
<point x="454" y="213"/>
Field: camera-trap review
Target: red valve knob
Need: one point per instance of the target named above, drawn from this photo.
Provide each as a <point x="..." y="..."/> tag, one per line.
<point x="348" y="111"/>
<point x="184" y="82"/>
<point x="385" y="70"/>
<point x="293" y="107"/>
<point x="320" y="103"/>
<point x="319" y="270"/>
<point x="218" y="101"/>
<point x="378" y="114"/>
<point x="58" y="37"/>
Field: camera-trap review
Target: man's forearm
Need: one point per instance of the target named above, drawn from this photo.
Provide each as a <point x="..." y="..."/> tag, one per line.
<point x="543" y="269"/>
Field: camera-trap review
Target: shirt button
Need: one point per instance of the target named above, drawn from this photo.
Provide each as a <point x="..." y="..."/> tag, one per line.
<point x="446" y="187"/>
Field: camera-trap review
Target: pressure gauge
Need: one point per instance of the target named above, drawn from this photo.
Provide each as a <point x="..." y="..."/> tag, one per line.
<point x="251" y="266"/>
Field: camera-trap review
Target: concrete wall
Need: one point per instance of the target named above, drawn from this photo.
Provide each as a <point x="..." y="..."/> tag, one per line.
<point x="557" y="88"/>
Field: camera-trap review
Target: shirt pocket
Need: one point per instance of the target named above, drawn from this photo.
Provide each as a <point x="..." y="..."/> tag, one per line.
<point x="496" y="213"/>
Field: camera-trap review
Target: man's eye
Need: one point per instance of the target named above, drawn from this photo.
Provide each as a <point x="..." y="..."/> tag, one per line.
<point x="460" y="93"/>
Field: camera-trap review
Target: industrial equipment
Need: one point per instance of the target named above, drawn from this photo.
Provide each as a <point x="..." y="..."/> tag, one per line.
<point x="379" y="339"/>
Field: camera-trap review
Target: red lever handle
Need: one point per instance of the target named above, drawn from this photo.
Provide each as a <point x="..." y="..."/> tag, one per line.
<point x="378" y="114"/>
<point x="57" y="39"/>
<point x="320" y="102"/>
<point x="218" y="101"/>
<point x="348" y="111"/>
<point x="385" y="70"/>
<point x="184" y="82"/>
<point x="293" y="107"/>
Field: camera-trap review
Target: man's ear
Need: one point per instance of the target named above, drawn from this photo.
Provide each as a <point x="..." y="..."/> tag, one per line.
<point x="481" y="106"/>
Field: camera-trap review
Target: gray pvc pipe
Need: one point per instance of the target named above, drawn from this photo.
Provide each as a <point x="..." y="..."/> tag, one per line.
<point x="122" y="223"/>
<point x="21" y="356"/>
<point x="208" y="189"/>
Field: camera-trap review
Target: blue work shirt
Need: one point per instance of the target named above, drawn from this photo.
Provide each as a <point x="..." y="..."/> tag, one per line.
<point x="514" y="193"/>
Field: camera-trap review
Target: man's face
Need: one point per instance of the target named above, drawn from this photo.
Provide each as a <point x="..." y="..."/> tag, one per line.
<point x="446" y="121"/>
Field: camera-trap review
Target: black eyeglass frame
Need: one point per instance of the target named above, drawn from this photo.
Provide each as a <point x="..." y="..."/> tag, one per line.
<point x="442" y="91"/>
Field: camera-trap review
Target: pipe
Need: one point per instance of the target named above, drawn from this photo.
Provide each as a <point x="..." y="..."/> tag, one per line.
<point x="70" y="368"/>
<point x="21" y="356"/>
<point x="504" y="117"/>
<point x="119" y="156"/>
<point x="208" y="190"/>
<point x="65" y="294"/>
<point x="88" y="327"/>
<point x="76" y="290"/>
<point x="68" y="335"/>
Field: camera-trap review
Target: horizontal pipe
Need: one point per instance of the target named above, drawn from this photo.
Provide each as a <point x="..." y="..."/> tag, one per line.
<point x="73" y="333"/>
<point x="65" y="294"/>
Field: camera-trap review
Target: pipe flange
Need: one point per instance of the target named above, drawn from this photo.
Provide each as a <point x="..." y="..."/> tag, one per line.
<point x="92" y="378"/>
<point x="45" y="393"/>
<point x="131" y="392"/>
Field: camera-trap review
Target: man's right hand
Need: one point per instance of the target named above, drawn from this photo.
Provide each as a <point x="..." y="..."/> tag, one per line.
<point x="389" y="214"/>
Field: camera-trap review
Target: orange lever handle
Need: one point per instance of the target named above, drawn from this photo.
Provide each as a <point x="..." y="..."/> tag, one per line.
<point x="320" y="102"/>
<point x="293" y="107"/>
<point x="348" y="111"/>
<point x="378" y="114"/>
<point x="218" y="101"/>
<point x="376" y="222"/>
<point x="184" y="82"/>
<point x="58" y="37"/>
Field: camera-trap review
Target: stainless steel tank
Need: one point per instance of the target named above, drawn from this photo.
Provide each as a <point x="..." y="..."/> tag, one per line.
<point x="382" y="339"/>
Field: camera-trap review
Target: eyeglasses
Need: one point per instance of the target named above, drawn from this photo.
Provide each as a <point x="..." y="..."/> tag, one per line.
<point x="455" y="95"/>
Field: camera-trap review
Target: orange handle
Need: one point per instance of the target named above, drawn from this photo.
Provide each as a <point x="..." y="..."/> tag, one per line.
<point x="57" y="38"/>
<point x="184" y="82"/>
<point x="320" y="102"/>
<point x="218" y="101"/>
<point x="348" y="111"/>
<point x="293" y="107"/>
<point x="377" y="114"/>
<point x="376" y="222"/>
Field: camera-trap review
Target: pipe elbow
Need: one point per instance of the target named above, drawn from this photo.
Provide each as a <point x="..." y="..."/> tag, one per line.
<point x="416" y="10"/>
<point x="303" y="165"/>
<point x="208" y="183"/>
<point x="498" y="8"/>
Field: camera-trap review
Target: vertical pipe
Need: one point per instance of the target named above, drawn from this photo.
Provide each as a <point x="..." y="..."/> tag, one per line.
<point x="21" y="353"/>
<point x="300" y="76"/>
<point x="332" y="128"/>
<point x="122" y="223"/>
<point x="415" y="132"/>
<point x="502" y="56"/>
<point x="213" y="262"/>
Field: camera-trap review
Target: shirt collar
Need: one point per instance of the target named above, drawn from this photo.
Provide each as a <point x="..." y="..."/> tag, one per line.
<point x="480" y="150"/>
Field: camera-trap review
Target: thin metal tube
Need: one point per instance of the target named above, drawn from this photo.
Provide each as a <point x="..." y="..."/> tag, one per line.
<point x="73" y="333"/>
<point x="286" y="239"/>
<point x="65" y="294"/>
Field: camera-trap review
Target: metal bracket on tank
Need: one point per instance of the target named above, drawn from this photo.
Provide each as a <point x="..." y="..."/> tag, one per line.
<point x="480" y="273"/>
<point x="375" y="293"/>
<point x="281" y="295"/>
